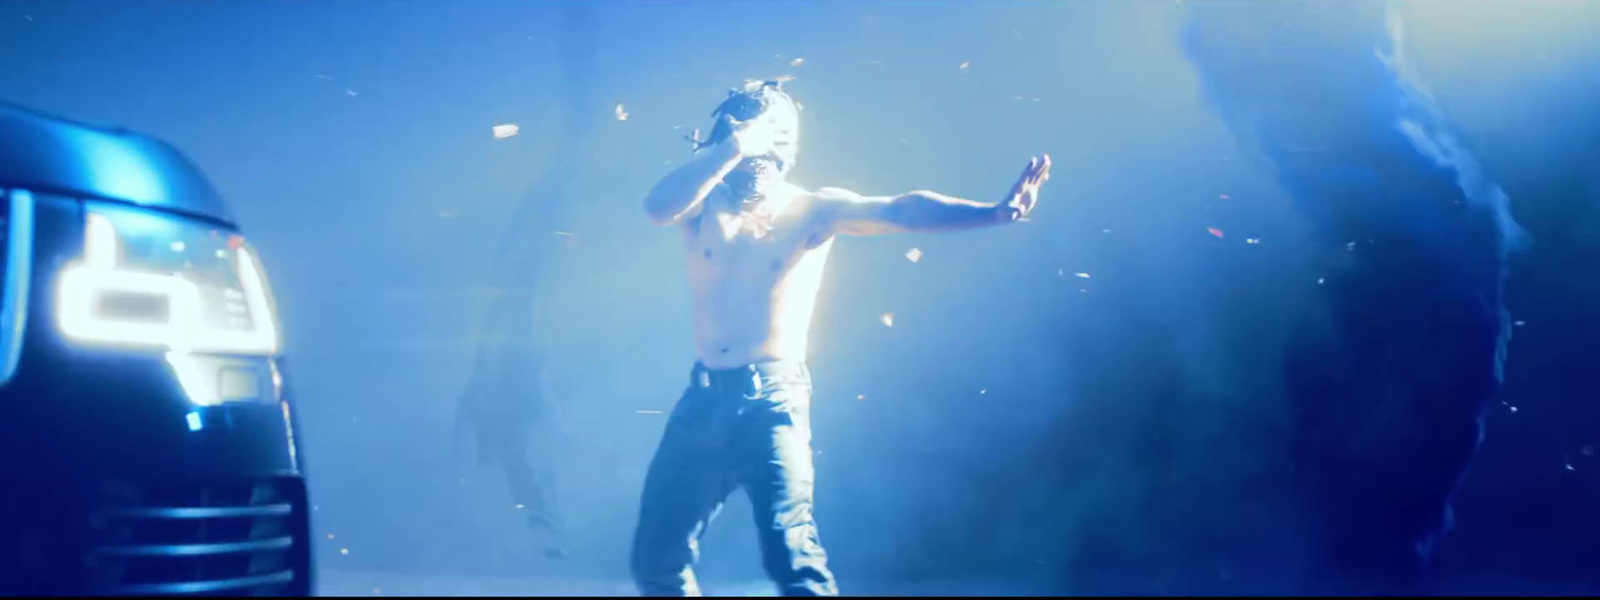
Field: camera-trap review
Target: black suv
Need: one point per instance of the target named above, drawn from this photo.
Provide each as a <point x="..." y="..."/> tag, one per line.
<point x="146" y="431"/>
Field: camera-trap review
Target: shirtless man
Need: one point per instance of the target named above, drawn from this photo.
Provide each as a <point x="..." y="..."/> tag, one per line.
<point x="756" y="249"/>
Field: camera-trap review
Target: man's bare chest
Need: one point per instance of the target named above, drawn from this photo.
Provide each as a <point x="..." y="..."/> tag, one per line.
<point x="733" y="243"/>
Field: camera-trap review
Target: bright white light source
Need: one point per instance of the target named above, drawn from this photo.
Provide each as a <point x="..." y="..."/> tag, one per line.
<point x="193" y="418"/>
<point x="100" y="242"/>
<point x="504" y="131"/>
<point x="887" y="318"/>
<point x="914" y="255"/>
<point x="83" y="283"/>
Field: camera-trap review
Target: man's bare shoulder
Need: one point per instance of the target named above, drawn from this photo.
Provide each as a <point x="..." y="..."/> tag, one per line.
<point x="826" y="194"/>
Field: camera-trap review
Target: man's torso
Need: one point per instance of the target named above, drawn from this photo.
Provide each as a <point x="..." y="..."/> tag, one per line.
<point x="754" y="289"/>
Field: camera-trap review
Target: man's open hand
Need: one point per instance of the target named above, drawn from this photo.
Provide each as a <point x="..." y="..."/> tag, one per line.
<point x="1024" y="193"/>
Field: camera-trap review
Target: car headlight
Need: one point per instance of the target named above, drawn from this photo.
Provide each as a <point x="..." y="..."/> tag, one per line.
<point x="149" y="280"/>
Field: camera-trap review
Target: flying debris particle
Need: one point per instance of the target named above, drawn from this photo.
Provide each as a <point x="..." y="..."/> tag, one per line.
<point x="965" y="64"/>
<point x="1035" y="99"/>
<point x="519" y="507"/>
<point x="1350" y="247"/>
<point x="797" y="62"/>
<point x="1083" y="290"/>
<point x="861" y="396"/>
<point x="323" y="77"/>
<point x="330" y="536"/>
<point x="914" y="254"/>
<point x="983" y="391"/>
<point x="621" y="111"/>
<point x="887" y="318"/>
<point x="564" y="233"/>
<point x="1252" y="240"/>
<point x="1016" y="33"/>
<point x="351" y="93"/>
<point x="1320" y="280"/>
<point x="1588" y="450"/>
<point x="344" y="551"/>
<point x="650" y="412"/>
<point x="1214" y="231"/>
<point x="449" y="213"/>
<point x="905" y="142"/>
<point x="1519" y="323"/>
<point x="1081" y="275"/>
<point x="504" y="131"/>
<point x="377" y="590"/>
<point x="1513" y="409"/>
<point x="1569" y="467"/>
<point x="1061" y="272"/>
<point x="1106" y="230"/>
<point x="1222" y="196"/>
<point x="28" y="17"/>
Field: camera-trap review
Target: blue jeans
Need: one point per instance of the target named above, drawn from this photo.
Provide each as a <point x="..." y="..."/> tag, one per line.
<point x="746" y="427"/>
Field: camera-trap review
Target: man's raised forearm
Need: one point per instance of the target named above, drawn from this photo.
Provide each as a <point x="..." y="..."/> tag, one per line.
<point x="687" y="186"/>
<point x="932" y="211"/>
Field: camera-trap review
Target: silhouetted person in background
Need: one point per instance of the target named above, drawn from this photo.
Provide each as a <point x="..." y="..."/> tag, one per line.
<point x="1391" y="379"/>
<point x="504" y="424"/>
<point x="756" y="246"/>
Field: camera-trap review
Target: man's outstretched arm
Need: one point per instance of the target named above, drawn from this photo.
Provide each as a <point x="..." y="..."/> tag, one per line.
<point x="680" y="193"/>
<point x="853" y="214"/>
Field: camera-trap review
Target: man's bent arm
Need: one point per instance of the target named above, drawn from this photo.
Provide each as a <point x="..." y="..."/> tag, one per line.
<point x="919" y="211"/>
<point x="680" y="193"/>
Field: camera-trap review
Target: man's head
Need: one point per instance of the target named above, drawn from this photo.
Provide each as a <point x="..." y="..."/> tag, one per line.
<point x="764" y="103"/>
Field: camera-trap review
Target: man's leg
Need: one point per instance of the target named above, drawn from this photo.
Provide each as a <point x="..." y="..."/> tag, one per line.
<point x="532" y="495"/>
<point x="688" y="480"/>
<point x="779" y="477"/>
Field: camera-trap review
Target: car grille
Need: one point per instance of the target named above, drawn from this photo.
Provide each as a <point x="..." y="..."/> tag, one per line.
<point x="229" y="540"/>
